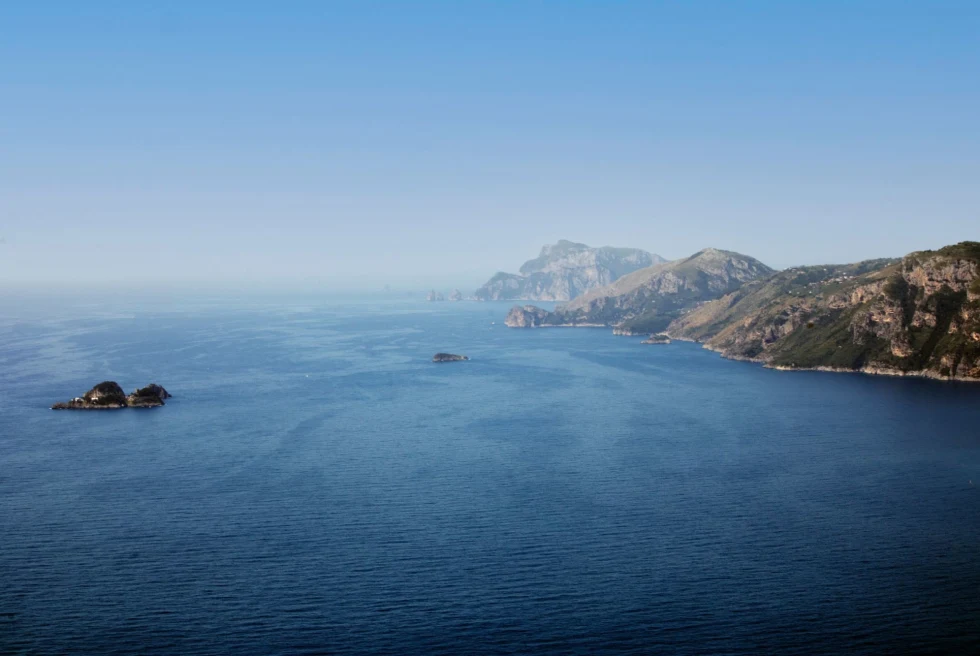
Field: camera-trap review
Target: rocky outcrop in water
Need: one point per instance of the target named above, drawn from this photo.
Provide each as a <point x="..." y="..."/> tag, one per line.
<point x="147" y="397"/>
<point x="659" y="338"/>
<point x="564" y="271"/>
<point x="435" y="296"/>
<point x="448" y="357"/>
<point x="455" y="295"/>
<point x="108" y="395"/>
<point x="918" y="316"/>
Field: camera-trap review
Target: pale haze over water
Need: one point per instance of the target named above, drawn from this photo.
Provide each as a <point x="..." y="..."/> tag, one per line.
<point x="352" y="145"/>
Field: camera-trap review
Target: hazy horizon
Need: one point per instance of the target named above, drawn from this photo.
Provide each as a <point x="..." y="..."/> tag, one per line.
<point x="347" y="146"/>
<point x="357" y="282"/>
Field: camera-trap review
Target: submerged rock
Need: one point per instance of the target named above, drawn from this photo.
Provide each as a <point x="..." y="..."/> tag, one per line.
<point x="108" y="395"/>
<point x="448" y="357"/>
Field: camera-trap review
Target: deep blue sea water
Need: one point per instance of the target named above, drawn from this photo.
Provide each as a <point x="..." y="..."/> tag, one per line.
<point x="317" y="485"/>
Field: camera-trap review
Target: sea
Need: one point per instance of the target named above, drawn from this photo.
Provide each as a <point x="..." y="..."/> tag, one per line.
<point x="317" y="485"/>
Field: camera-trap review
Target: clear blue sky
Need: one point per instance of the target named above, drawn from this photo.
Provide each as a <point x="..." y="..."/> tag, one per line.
<point x="357" y="143"/>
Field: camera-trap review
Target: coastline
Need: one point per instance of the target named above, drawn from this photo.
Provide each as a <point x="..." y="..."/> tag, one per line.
<point x="878" y="371"/>
<point x="563" y="325"/>
<point x="867" y="370"/>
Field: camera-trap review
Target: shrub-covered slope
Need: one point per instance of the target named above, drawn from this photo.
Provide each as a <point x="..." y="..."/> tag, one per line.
<point x="920" y="315"/>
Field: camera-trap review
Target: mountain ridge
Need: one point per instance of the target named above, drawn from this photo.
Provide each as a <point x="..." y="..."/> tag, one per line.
<point x="918" y="315"/>
<point x="565" y="270"/>
<point x="647" y="300"/>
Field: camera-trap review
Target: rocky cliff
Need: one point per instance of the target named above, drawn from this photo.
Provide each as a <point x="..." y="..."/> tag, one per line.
<point x="646" y="301"/>
<point x="564" y="271"/>
<point x="917" y="316"/>
<point x="528" y="316"/>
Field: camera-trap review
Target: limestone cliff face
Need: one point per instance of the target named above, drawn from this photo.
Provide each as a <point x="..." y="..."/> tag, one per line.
<point x="564" y="271"/>
<point x="918" y="316"/>
<point x="525" y="317"/>
<point x="645" y="301"/>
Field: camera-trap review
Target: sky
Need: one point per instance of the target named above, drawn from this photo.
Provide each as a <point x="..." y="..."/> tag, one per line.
<point x="355" y="144"/>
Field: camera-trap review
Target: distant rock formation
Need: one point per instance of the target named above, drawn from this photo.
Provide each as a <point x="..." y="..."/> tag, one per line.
<point x="659" y="338"/>
<point x="455" y="295"/>
<point x="434" y="296"/>
<point x="448" y="357"/>
<point x="108" y="395"/>
<point x="646" y="301"/>
<point x="564" y="271"/>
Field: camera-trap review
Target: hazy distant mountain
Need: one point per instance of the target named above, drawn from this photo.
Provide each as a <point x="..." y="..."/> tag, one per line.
<point x="919" y="315"/>
<point x="647" y="300"/>
<point x="564" y="271"/>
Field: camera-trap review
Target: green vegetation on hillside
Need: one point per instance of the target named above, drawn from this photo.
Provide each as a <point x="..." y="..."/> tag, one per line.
<point x="911" y="315"/>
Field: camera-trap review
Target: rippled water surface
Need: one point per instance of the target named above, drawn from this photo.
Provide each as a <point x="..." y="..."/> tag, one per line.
<point x="317" y="485"/>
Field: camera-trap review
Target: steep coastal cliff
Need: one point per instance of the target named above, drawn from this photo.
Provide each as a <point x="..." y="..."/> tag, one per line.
<point x="917" y="316"/>
<point x="564" y="271"/>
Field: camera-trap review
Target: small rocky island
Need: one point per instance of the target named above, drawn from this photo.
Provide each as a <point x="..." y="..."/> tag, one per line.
<point x="108" y="395"/>
<point x="659" y="338"/>
<point x="448" y="357"/>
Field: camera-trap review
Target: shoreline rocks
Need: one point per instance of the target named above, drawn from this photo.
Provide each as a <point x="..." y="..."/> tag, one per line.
<point x="659" y="338"/>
